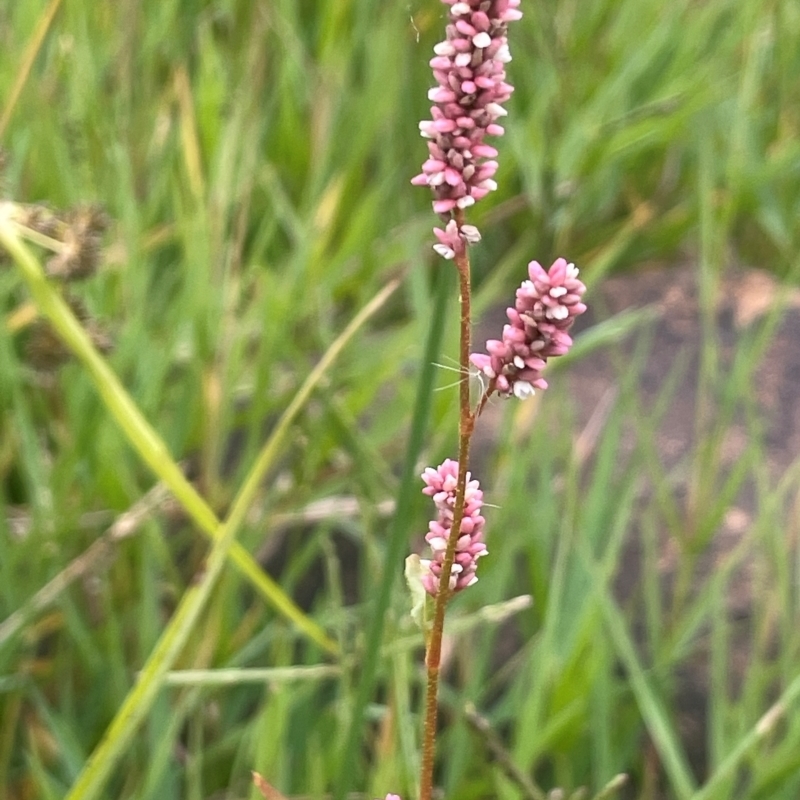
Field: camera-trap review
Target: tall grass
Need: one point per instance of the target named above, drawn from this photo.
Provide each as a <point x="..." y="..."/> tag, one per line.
<point x="255" y="159"/>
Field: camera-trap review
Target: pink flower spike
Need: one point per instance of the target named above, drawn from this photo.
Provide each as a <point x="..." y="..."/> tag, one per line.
<point x="544" y="310"/>
<point x="441" y="483"/>
<point x="469" y="69"/>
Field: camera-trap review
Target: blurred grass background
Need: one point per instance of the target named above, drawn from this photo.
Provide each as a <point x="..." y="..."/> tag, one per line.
<point x="255" y="160"/>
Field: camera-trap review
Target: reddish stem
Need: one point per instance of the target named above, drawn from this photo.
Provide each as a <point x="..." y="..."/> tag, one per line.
<point x="465" y="428"/>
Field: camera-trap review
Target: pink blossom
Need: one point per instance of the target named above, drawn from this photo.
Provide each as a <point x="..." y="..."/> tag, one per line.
<point x="545" y="308"/>
<point x="453" y="240"/>
<point x="469" y="68"/>
<point x="440" y="484"/>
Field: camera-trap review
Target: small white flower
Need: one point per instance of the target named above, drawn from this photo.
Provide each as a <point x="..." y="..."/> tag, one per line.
<point x="471" y="234"/>
<point x="444" y="251"/>
<point x="503" y="55"/>
<point x="523" y="390"/>
<point x="496" y="110"/>
<point x="481" y="40"/>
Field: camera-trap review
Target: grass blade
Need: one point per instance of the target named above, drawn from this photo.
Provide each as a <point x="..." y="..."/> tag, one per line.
<point x="760" y="730"/>
<point x="650" y="704"/>
<point x="32" y="50"/>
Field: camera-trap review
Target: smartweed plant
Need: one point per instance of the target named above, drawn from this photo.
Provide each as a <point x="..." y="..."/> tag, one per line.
<point x="469" y="67"/>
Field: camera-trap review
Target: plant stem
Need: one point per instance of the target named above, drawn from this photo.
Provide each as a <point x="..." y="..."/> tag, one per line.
<point x="465" y="427"/>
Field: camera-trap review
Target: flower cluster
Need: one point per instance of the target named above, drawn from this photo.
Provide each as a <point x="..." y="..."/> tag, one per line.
<point x="440" y="484"/>
<point x="453" y="240"/>
<point x="545" y="308"/>
<point x="469" y="68"/>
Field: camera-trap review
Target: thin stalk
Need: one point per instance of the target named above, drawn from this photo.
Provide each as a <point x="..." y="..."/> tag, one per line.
<point x="466" y="424"/>
<point x="26" y="65"/>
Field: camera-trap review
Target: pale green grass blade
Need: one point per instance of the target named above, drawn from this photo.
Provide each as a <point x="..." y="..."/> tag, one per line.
<point x="236" y="677"/>
<point x="760" y="731"/>
<point x="24" y="71"/>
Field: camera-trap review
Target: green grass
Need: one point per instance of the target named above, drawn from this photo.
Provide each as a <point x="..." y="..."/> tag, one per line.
<point x="254" y="158"/>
